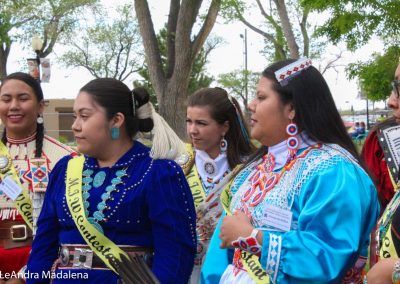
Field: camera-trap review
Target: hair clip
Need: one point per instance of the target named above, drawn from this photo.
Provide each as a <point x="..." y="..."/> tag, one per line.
<point x="290" y="70"/>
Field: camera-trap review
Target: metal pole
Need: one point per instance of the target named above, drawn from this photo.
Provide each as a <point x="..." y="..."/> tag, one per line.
<point x="245" y="66"/>
<point x="38" y="63"/>
<point x="366" y="98"/>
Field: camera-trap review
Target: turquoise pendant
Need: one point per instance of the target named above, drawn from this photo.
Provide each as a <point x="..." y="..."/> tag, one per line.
<point x="99" y="179"/>
<point x="95" y="224"/>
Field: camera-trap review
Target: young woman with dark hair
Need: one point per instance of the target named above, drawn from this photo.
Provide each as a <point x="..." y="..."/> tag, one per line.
<point x="302" y="209"/>
<point x="33" y="155"/>
<point x="119" y="200"/>
<point x="219" y="144"/>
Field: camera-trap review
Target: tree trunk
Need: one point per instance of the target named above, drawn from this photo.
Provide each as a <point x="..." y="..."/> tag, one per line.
<point x="172" y="106"/>
<point x="4" y="52"/>
<point x="287" y="29"/>
<point x="171" y="86"/>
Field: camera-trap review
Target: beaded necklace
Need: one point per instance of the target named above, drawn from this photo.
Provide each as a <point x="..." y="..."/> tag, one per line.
<point x="209" y="184"/>
<point x="264" y="179"/>
<point x="97" y="181"/>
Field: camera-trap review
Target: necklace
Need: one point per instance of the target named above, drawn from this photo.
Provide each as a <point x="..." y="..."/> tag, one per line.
<point x="87" y="181"/>
<point x="265" y="179"/>
<point x="210" y="183"/>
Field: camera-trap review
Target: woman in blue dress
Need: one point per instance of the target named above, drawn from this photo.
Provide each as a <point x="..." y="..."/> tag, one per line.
<point x="129" y="201"/>
<point x="302" y="208"/>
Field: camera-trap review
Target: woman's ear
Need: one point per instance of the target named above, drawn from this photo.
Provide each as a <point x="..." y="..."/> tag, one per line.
<point x="292" y="112"/>
<point x="226" y="126"/>
<point x="118" y="119"/>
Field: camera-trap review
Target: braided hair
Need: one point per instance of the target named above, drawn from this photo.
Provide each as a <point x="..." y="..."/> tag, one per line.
<point x="37" y="91"/>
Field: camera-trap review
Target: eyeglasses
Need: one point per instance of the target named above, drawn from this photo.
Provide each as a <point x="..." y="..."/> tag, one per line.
<point x="396" y="87"/>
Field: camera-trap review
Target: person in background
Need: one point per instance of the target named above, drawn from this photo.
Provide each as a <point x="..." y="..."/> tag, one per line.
<point x="302" y="208"/>
<point x="378" y="159"/>
<point x="219" y="144"/>
<point x="127" y="200"/>
<point x="33" y="156"/>
<point x="356" y="131"/>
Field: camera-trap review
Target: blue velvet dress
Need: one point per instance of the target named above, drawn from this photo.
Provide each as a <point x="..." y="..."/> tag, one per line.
<point x="334" y="206"/>
<point x="153" y="208"/>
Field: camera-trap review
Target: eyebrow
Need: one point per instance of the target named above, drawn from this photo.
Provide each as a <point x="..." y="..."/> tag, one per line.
<point x="84" y="109"/>
<point x="18" y="95"/>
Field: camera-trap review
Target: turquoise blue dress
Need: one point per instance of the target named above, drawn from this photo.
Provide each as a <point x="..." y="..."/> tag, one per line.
<point x="334" y="206"/>
<point x="153" y="207"/>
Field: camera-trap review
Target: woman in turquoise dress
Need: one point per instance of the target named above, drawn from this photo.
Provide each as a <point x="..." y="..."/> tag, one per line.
<point x="303" y="207"/>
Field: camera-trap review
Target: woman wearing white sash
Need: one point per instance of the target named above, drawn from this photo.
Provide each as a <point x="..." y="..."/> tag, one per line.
<point x="219" y="143"/>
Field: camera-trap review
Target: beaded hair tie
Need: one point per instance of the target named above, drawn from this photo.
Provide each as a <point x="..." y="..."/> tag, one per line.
<point x="291" y="70"/>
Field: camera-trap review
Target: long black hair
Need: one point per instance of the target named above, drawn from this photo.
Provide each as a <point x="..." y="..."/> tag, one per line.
<point x="315" y="109"/>
<point x="222" y="109"/>
<point x="114" y="96"/>
<point x="37" y="91"/>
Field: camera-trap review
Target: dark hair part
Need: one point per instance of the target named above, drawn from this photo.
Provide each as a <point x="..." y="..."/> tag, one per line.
<point x="315" y="109"/>
<point x="114" y="96"/>
<point x="222" y="110"/>
<point x="37" y="91"/>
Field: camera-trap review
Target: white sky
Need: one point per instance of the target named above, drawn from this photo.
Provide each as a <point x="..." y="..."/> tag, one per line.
<point x="65" y="83"/>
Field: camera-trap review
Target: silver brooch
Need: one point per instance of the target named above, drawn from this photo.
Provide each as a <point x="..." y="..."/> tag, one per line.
<point x="5" y="164"/>
<point x="182" y="159"/>
<point x="210" y="167"/>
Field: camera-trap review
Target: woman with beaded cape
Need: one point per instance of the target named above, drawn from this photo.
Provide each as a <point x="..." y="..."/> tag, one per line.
<point x="33" y="155"/>
<point x="219" y="144"/>
<point x="130" y="201"/>
<point x="387" y="269"/>
<point x="302" y="208"/>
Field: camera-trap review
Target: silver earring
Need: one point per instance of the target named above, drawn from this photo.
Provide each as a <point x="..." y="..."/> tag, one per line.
<point x="40" y="119"/>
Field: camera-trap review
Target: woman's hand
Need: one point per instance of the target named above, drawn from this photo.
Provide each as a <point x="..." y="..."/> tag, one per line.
<point x="233" y="227"/>
<point x="381" y="272"/>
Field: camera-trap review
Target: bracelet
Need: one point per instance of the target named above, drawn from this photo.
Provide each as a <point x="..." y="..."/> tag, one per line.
<point x="249" y="244"/>
<point x="396" y="272"/>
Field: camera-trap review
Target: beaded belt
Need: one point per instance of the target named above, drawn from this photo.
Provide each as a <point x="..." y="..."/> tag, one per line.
<point x="14" y="234"/>
<point x="82" y="257"/>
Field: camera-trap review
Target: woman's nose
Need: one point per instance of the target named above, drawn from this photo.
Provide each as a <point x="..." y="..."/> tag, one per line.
<point x="75" y="125"/>
<point x="393" y="101"/>
<point x="251" y="106"/>
<point x="14" y="104"/>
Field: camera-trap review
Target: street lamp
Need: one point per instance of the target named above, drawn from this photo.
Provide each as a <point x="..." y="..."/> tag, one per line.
<point x="37" y="44"/>
<point x="244" y="37"/>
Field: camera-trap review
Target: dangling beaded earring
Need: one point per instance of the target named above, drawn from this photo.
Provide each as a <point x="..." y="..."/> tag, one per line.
<point x="292" y="142"/>
<point x="39" y="119"/>
<point x="223" y="145"/>
<point x="114" y="133"/>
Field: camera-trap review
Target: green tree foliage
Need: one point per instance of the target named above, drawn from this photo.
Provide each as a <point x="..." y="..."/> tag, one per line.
<point x="376" y="75"/>
<point x="108" y="48"/>
<point x="356" y="21"/>
<point x="50" y="19"/>
<point x="235" y="83"/>
<point x="198" y="75"/>
<point x="284" y="25"/>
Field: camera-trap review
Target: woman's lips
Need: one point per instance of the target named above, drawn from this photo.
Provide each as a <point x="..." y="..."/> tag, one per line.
<point x="15" y="118"/>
